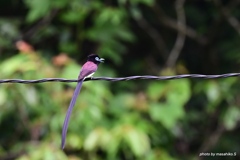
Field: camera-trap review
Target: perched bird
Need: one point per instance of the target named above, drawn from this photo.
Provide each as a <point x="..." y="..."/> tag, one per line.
<point x="88" y="69"/>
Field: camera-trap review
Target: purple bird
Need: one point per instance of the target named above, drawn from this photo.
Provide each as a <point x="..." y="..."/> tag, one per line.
<point x="88" y="69"/>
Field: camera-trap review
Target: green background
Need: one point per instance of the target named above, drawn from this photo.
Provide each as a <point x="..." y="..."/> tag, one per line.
<point x="141" y="119"/>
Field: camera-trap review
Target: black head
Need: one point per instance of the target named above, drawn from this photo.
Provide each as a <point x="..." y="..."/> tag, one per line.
<point x="95" y="59"/>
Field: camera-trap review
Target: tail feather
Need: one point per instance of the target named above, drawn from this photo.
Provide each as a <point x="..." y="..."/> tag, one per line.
<point x="69" y="111"/>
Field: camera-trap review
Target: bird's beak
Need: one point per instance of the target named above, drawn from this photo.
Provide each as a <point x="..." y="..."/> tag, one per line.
<point x="101" y="60"/>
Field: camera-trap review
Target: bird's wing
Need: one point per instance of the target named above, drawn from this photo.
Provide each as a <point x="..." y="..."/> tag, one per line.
<point x="87" y="69"/>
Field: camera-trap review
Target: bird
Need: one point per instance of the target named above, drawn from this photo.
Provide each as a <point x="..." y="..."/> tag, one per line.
<point x="88" y="69"/>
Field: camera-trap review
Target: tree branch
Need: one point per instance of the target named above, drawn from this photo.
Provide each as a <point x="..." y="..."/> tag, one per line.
<point x="155" y="35"/>
<point x="43" y="22"/>
<point x="169" y="22"/>
<point x="181" y="25"/>
<point x="226" y="12"/>
<point x="212" y="140"/>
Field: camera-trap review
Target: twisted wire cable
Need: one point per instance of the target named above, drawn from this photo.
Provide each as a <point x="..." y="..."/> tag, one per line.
<point x="145" y="77"/>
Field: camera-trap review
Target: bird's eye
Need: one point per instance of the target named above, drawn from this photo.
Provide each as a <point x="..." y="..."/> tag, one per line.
<point x="96" y="58"/>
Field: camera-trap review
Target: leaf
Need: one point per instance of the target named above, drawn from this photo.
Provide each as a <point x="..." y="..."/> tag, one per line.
<point x="38" y="9"/>
<point x="91" y="141"/>
<point x="136" y="13"/>
<point x="121" y="102"/>
<point x="110" y="15"/>
<point x="98" y="137"/>
<point x="214" y="94"/>
<point x="176" y="95"/>
<point x="29" y="95"/>
<point x="17" y="63"/>
<point x="137" y="141"/>
<point x="135" y="2"/>
<point x="166" y="114"/>
<point x="42" y="151"/>
<point x="231" y="117"/>
<point x="3" y="96"/>
<point x="74" y="141"/>
<point x="179" y="92"/>
<point x="71" y="71"/>
<point x="213" y="91"/>
<point x="155" y="90"/>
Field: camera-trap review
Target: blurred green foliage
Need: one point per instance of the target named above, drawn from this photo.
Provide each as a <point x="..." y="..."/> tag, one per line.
<point x="145" y="120"/>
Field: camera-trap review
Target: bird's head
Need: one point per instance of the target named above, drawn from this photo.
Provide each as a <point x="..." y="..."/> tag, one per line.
<point x="95" y="59"/>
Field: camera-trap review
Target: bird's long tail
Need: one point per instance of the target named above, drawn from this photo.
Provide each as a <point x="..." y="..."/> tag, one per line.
<point x="69" y="111"/>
